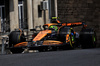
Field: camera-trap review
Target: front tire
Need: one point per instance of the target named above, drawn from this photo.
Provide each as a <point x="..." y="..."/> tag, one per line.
<point x="15" y="38"/>
<point x="16" y="50"/>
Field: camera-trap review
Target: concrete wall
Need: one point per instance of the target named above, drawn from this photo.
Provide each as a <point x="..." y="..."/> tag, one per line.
<point x="39" y="20"/>
<point x="13" y="7"/>
<point x="30" y="14"/>
<point x="81" y="10"/>
<point x="33" y="16"/>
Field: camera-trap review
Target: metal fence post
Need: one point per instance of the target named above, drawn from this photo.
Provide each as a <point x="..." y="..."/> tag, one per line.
<point x="3" y="46"/>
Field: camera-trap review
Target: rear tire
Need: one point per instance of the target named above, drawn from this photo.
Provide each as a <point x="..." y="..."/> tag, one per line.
<point x="88" y="38"/>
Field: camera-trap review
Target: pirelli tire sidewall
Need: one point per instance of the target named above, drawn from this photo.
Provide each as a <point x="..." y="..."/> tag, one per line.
<point x="87" y="38"/>
<point x="14" y="38"/>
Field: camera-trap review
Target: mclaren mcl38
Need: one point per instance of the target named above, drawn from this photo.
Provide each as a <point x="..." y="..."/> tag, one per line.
<point x="54" y="36"/>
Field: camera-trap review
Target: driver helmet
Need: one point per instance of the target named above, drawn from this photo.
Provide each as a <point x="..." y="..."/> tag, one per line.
<point x="53" y="27"/>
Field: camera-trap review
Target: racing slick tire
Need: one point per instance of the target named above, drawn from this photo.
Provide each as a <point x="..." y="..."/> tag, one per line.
<point x="88" y="38"/>
<point x="16" y="50"/>
<point x="15" y="38"/>
<point x="62" y="35"/>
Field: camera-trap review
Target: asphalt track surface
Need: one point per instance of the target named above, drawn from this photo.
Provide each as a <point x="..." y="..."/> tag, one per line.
<point x="79" y="57"/>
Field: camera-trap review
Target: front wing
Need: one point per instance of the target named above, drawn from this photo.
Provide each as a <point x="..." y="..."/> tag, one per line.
<point x="39" y="44"/>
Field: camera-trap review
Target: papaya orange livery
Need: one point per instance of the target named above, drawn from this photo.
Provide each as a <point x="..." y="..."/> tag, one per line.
<point x="41" y="34"/>
<point x="67" y="38"/>
<point x="52" y="42"/>
<point x="21" y="44"/>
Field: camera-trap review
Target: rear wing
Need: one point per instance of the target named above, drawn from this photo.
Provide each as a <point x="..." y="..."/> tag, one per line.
<point x="73" y="24"/>
<point x="67" y="24"/>
<point x="55" y="20"/>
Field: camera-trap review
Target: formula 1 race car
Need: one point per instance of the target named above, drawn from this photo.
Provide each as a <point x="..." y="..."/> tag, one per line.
<point x="55" y="35"/>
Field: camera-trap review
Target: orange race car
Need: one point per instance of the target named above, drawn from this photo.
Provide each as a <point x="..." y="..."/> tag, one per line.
<point x="55" y="35"/>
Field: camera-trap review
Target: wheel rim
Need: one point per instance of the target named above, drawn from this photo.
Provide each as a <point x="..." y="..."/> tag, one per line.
<point x="94" y="39"/>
